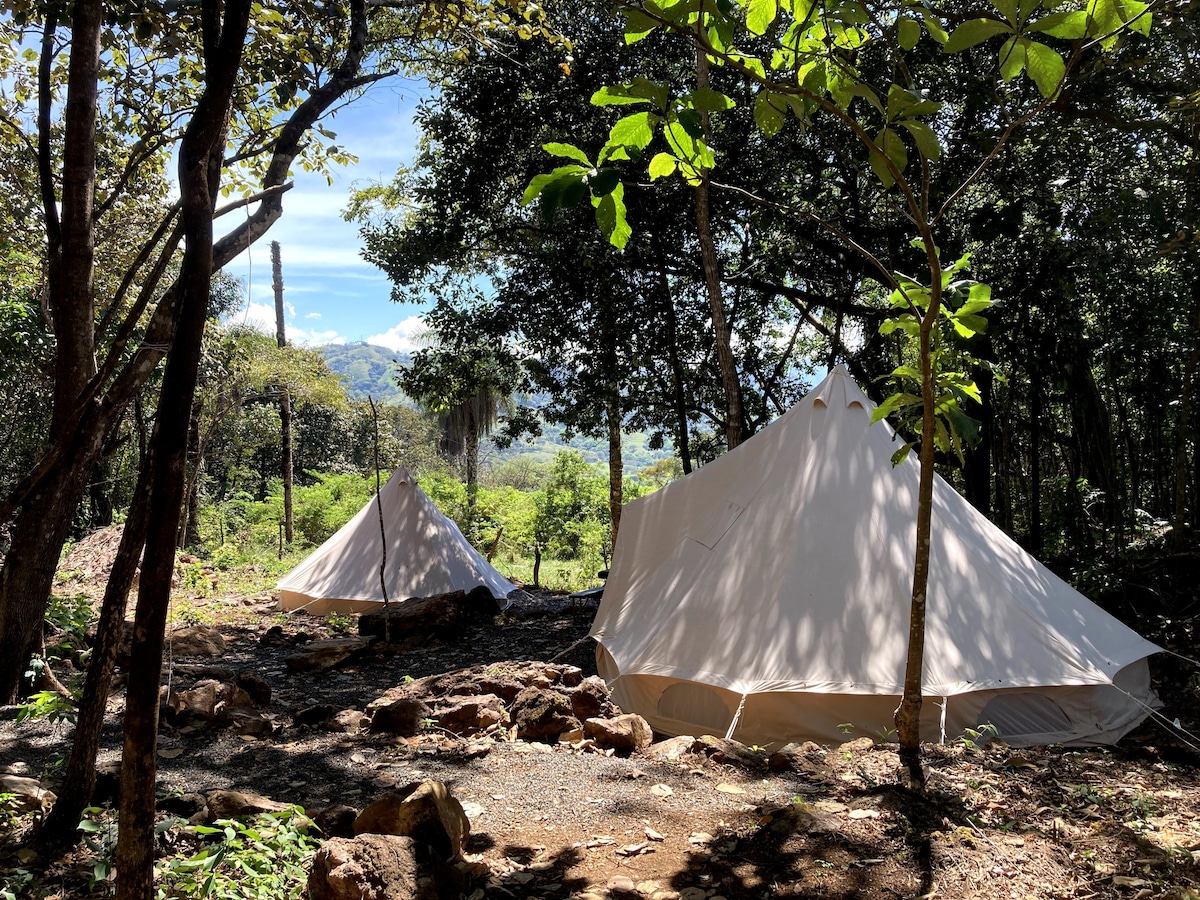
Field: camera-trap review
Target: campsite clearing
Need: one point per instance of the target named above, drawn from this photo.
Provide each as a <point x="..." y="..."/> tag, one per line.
<point x="552" y="821"/>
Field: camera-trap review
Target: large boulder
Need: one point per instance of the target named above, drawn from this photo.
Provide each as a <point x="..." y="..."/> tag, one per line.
<point x="542" y="714"/>
<point x="404" y="717"/>
<point x="28" y="793"/>
<point x="375" y="867"/>
<point x="589" y="699"/>
<point x="628" y="733"/>
<point x="239" y="804"/>
<point x="424" y="810"/>
<point x="196" y="640"/>
<point x="318" y="656"/>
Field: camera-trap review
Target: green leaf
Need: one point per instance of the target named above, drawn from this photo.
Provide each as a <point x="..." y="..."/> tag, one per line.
<point x="610" y="216"/>
<point x="568" y="151"/>
<point x="1045" y="67"/>
<point x="769" y="115"/>
<point x="709" y="100"/>
<point x="562" y="193"/>
<point x="934" y="26"/>
<point x="1070" y="25"/>
<point x="615" y="96"/>
<point x="603" y="182"/>
<point x="1012" y="58"/>
<point x="636" y="91"/>
<point x="540" y="182"/>
<point x="923" y="136"/>
<point x="692" y="123"/>
<point x="635" y="130"/>
<point x="678" y="138"/>
<point x="662" y="166"/>
<point x="908" y="32"/>
<point x="901" y="455"/>
<point x="968" y="326"/>
<point x="974" y="31"/>
<point x="891" y="145"/>
<point x="962" y="425"/>
<point x="1007" y="8"/>
<point x="907" y="372"/>
<point x="760" y="14"/>
<point x="638" y="24"/>
<point x="893" y="403"/>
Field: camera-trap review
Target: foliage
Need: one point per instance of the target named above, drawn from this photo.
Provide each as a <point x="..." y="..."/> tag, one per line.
<point x="99" y="829"/>
<point x="367" y="370"/>
<point x="266" y="857"/>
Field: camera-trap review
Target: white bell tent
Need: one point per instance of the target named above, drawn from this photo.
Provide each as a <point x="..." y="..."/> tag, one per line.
<point x="426" y="555"/>
<point x="766" y="597"/>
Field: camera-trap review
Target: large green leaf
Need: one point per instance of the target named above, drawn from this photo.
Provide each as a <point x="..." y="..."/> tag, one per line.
<point x="769" y="112"/>
<point x="1070" y="25"/>
<point x="925" y="139"/>
<point x="540" y="182"/>
<point x="610" y="216"/>
<point x="662" y="166"/>
<point x="974" y="31"/>
<point x="709" y="100"/>
<point x="1007" y="8"/>
<point x="908" y="32"/>
<point x="615" y="96"/>
<point x="636" y="130"/>
<point x="603" y="182"/>
<point x="1012" y="57"/>
<point x="639" y="90"/>
<point x="1045" y="67"/>
<point x="567" y="151"/>
<point x="760" y="14"/>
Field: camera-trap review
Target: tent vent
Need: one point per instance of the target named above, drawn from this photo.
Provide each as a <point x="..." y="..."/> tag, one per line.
<point x="818" y="403"/>
<point x="1025" y="713"/>
<point x="855" y="404"/>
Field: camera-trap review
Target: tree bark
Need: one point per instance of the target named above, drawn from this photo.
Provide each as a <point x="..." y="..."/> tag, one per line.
<point x="712" y="283"/>
<point x="44" y="503"/>
<point x="616" y="467"/>
<point x="199" y="177"/>
<point x="285" y="398"/>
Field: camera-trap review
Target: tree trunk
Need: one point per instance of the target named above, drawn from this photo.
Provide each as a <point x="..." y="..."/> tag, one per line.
<point x="1179" y="523"/>
<point x="79" y="776"/>
<point x="471" y="460"/>
<point x="199" y="177"/>
<point x="616" y="467"/>
<point x="285" y="399"/>
<point x="712" y="283"/>
<point x="38" y="535"/>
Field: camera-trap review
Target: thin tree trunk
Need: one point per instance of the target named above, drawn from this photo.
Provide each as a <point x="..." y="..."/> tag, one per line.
<point x="616" y="467"/>
<point x="285" y="398"/>
<point x="682" y="437"/>
<point x="712" y="283"/>
<point x="79" y="776"/>
<point x="199" y="177"/>
<point x="471" y="440"/>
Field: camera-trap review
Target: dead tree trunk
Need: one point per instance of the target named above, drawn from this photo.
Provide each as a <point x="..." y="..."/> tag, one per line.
<point x="285" y="397"/>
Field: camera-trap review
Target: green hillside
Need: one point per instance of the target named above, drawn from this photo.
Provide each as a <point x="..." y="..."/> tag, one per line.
<point x="367" y="370"/>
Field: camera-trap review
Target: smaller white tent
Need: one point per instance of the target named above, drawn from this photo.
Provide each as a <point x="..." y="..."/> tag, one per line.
<point x="426" y="555"/>
<point x="767" y="596"/>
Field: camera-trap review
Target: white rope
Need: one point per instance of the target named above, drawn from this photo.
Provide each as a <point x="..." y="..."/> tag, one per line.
<point x="1175" y="726"/>
<point x="1181" y="656"/>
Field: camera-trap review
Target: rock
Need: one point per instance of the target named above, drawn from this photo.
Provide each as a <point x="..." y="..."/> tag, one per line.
<point x="416" y="615"/>
<point x="672" y="749"/>
<point x="572" y="676"/>
<point x="426" y="811"/>
<point x="318" y="656"/>
<point x="28" y="793"/>
<point x="472" y="715"/>
<point x="196" y="640"/>
<point x="858" y="745"/>
<point x="404" y="717"/>
<point x="274" y="637"/>
<point x="196" y="705"/>
<point x="590" y="698"/>
<point x="377" y="867"/>
<point x="108" y="783"/>
<point x="313" y="715"/>
<point x="337" y="820"/>
<point x="255" y="686"/>
<point x="230" y="694"/>
<point x="348" y="720"/>
<point x="245" y="720"/>
<point x="796" y="757"/>
<point x="628" y="733"/>
<point x="183" y="805"/>
<point x="724" y="750"/>
<point x="542" y="715"/>
<point x="237" y="804"/>
<point x="621" y="884"/>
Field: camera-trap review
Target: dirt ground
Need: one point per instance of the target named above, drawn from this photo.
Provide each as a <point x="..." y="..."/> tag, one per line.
<point x="557" y="821"/>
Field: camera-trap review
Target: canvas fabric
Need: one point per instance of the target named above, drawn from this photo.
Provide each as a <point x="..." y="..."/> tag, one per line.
<point x="426" y="555"/>
<point x="780" y="576"/>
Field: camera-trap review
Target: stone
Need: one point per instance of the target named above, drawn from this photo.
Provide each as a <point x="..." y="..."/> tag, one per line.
<point x="470" y="716"/>
<point x="806" y="757"/>
<point x="858" y="745"/>
<point x="405" y="717"/>
<point x="274" y="637"/>
<point x="589" y="698"/>
<point x="628" y="733"/>
<point x="542" y="715"/>
<point x="196" y="640"/>
<point x="621" y="884"/>
<point x="196" y="705"/>
<point x="317" y="656"/>
<point x="245" y="720"/>
<point x="672" y="749"/>
<point x="437" y="614"/>
<point x="572" y="676"/>
<point x="239" y="804"/>
<point x="426" y="811"/>
<point x="229" y="694"/>
<point x="28" y="793"/>
<point x="185" y="806"/>
<point x="337" y="820"/>
<point x="348" y="720"/>
<point x="724" y="750"/>
<point x="255" y="686"/>
<point x="375" y="867"/>
<point x="312" y="716"/>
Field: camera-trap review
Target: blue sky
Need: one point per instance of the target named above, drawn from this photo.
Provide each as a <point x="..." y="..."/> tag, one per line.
<point x="331" y="294"/>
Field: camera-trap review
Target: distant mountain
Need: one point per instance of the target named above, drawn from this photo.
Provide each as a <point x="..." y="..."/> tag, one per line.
<point x="368" y="371"/>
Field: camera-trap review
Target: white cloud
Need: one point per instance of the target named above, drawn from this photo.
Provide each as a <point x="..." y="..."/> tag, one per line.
<point x="313" y="315"/>
<point x="403" y="337"/>
<point x="305" y="338"/>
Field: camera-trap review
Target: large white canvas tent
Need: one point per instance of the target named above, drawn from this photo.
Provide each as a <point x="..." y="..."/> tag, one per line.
<point x="766" y="597"/>
<point x="426" y="555"/>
